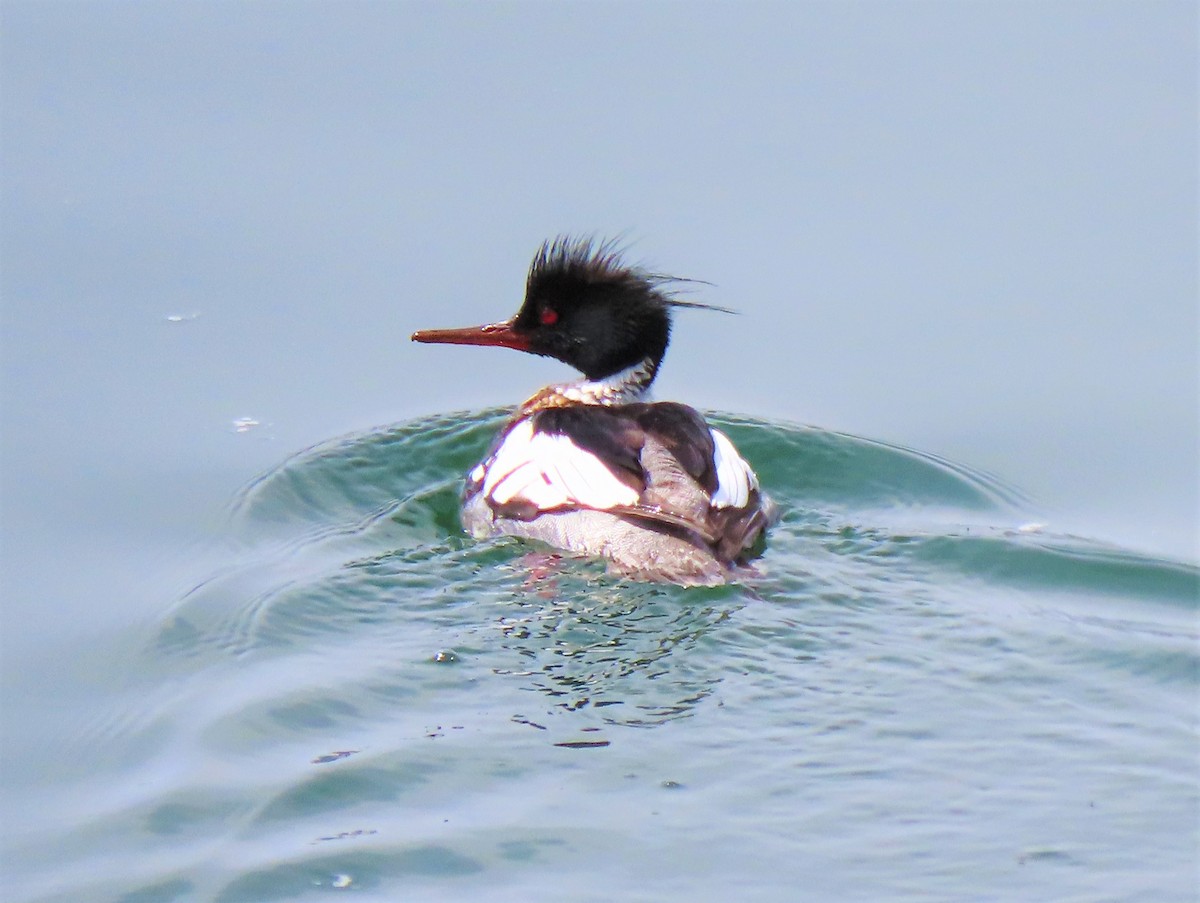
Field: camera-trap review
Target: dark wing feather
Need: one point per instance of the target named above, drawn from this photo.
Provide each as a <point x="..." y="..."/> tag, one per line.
<point x="739" y="530"/>
<point x="666" y="518"/>
<point x="608" y="433"/>
<point x="684" y="432"/>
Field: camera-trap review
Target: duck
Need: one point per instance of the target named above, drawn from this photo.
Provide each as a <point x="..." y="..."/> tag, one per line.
<point x="594" y="466"/>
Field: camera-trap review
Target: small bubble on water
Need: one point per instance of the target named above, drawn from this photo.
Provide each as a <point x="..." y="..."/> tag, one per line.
<point x="445" y="656"/>
<point x="245" y="424"/>
<point x="340" y="881"/>
<point x="672" y="785"/>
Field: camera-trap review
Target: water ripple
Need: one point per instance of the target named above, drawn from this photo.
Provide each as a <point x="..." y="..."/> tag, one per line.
<point x="363" y="698"/>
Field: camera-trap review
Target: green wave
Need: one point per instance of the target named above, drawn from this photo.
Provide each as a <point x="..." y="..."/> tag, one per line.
<point x="332" y="535"/>
<point x="355" y="655"/>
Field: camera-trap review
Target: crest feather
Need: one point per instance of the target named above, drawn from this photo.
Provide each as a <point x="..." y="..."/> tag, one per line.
<point x="590" y="261"/>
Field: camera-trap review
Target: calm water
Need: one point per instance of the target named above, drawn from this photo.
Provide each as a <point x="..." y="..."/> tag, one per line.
<point x="923" y="695"/>
<point x="965" y="228"/>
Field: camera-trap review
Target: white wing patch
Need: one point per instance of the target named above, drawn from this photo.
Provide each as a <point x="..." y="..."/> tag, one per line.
<point x="551" y="472"/>
<point x="735" y="479"/>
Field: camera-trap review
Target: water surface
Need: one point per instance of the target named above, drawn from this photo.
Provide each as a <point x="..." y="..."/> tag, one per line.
<point x="921" y="695"/>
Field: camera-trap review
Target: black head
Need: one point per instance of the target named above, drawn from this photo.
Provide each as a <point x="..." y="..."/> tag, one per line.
<point x="585" y="307"/>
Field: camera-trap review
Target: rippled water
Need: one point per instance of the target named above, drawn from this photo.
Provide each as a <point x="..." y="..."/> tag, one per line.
<point x="923" y="695"/>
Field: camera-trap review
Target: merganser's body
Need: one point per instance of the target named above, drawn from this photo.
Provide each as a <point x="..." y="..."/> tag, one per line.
<point x="591" y="466"/>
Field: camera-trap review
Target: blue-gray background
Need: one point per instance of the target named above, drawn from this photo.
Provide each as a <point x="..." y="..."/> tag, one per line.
<point x="967" y="228"/>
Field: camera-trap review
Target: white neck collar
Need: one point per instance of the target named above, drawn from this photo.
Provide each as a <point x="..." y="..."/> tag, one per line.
<point x="629" y="385"/>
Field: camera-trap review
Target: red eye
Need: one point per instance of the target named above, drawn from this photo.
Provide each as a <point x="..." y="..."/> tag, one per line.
<point x="549" y="316"/>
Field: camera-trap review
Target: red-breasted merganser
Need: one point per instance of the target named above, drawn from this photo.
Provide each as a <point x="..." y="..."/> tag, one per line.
<point x="591" y="466"/>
